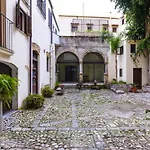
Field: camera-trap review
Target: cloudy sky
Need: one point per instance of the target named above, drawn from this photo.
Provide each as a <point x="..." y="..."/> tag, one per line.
<point x="91" y="7"/>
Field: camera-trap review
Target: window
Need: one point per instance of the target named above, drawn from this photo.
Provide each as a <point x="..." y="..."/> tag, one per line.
<point x="114" y="29"/>
<point x="89" y="28"/>
<point x="23" y="21"/>
<point x="55" y="31"/>
<point x="132" y="48"/>
<point x="74" y="27"/>
<point x="26" y="2"/>
<point x="50" y="18"/>
<point x="122" y="21"/>
<point x="120" y="72"/>
<point x="47" y="63"/>
<point x="42" y="7"/>
<point x="121" y="50"/>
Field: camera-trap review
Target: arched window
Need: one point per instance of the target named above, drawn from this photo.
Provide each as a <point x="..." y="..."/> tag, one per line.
<point x="93" y="67"/>
<point x="67" y="67"/>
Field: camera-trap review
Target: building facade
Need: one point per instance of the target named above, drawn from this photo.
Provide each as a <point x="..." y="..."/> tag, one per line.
<point x="28" y="38"/>
<point x="129" y="70"/>
<point x="83" y="57"/>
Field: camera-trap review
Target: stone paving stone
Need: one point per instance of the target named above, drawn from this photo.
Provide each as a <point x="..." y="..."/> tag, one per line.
<point x="82" y="139"/>
<point x="86" y="120"/>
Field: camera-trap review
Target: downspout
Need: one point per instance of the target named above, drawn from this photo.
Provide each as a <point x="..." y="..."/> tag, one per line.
<point x="30" y="53"/>
<point x="51" y="47"/>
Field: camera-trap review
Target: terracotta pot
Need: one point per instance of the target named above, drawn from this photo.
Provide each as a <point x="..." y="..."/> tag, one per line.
<point x="134" y="89"/>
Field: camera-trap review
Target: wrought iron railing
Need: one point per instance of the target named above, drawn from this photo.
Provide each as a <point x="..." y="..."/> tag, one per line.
<point x="6" y="37"/>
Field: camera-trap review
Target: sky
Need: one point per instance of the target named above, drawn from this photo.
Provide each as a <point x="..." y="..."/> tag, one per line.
<point x="85" y="7"/>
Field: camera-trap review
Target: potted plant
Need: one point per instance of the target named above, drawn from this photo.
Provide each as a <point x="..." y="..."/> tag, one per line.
<point x="134" y="88"/>
<point x="8" y="87"/>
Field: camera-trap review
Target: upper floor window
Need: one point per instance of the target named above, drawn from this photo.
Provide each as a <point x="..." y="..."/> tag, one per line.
<point x="121" y="50"/>
<point x="132" y="48"/>
<point x="49" y="18"/>
<point x="74" y="27"/>
<point x="23" y="21"/>
<point x="55" y="31"/>
<point x="120" y="72"/>
<point x="122" y="21"/>
<point x="105" y="27"/>
<point x="89" y="27"/>
<point x="42" y="7"/>
<point x="26" y="2"/>
<point x="114" y="29"/>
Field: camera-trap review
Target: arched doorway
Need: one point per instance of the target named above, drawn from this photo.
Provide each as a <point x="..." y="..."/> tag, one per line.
<point x="68" y="68"/>
<point x="93" y="67"/>
<point x="11" y="70"/>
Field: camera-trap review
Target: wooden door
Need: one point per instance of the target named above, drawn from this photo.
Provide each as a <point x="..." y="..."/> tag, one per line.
<point x="137" y="77"/>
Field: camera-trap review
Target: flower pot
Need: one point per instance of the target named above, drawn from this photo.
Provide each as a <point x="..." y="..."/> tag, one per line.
<point x="134" y="89"/>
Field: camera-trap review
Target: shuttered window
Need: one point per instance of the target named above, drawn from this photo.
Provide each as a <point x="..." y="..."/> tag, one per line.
<point x="23" y="21"/>
<point x="42" y="7"/>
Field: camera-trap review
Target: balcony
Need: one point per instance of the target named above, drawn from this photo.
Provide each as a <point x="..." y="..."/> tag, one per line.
<point x="6" y="27"/>
<point x="96" y="33"/>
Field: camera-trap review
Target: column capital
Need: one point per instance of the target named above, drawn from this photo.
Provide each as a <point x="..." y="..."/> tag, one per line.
<point x="80" y="61"/>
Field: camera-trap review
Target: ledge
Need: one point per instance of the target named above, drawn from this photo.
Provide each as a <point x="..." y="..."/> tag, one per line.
<point x="6" y="51"/>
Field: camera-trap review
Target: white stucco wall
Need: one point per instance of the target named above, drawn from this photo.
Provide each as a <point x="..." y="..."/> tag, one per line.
<point x="41" y="36"/>
<point x="111" y="66"/>
<point x="20" y="45"/>
<point x="65" y="23"/>
<point x="143" y="63"/>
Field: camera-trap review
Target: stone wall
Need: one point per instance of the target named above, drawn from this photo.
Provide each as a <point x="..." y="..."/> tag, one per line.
<point x="80" y="46"/>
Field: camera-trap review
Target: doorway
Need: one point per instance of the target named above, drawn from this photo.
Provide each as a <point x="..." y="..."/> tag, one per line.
<point x="68" y="68"/>
<point x="137" y="77"/>
<point x="71" y="73"/>
<point x="4" y="69"/>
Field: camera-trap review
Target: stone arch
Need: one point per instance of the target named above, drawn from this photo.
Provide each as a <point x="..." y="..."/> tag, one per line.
<point x="35" y="47"/>
<point x="10" y="69"/>
<point x="93" y="51"/>
<point x="67" y="51"/>
<point x="67" y="67"/>
<point x="93" y="67"/>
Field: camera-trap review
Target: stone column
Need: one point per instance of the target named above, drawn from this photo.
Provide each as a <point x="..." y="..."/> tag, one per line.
<point x="106" y="71"/>
<point x="80" y="71"/>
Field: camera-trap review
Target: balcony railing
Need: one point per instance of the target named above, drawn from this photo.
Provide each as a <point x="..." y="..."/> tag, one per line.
<point x="6" y="27"/>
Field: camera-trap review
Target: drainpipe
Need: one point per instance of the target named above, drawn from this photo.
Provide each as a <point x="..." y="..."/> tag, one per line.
<point x="30" y="53"/>
<point x="51" y="47"/>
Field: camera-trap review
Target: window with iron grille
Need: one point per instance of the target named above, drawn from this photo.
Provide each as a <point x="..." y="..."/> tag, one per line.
<point x="132" y="48"/>
<point x="120" y="72"/>
<point x="23" y="21"/>
<point x="47" y="63"/>
<point x="42" y="7"/>
<point x="121" y="50"/>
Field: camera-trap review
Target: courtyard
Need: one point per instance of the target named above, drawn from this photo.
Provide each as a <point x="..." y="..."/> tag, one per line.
<point x="82" y="120"/>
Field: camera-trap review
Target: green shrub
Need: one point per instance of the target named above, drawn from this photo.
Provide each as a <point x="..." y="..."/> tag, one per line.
<point x="8" y="87"/>
<point x="33" y="101"/>
<point x="103" y="86"/>
<point x="122" y="82"/>
<point x="116" y="82"/>
<point x="47" y="91"/>
<point x="57" y="84"/>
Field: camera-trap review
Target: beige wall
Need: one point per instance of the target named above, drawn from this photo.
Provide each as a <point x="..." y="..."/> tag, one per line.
<point x="126" y="63"/>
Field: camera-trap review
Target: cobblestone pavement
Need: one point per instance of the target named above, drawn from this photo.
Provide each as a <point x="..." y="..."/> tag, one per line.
<point x="85" y="120"/>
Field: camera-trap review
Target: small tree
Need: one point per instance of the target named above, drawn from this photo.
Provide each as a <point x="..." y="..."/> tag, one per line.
<point x="8" y="87"/>
<point x="114" y="42"/>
